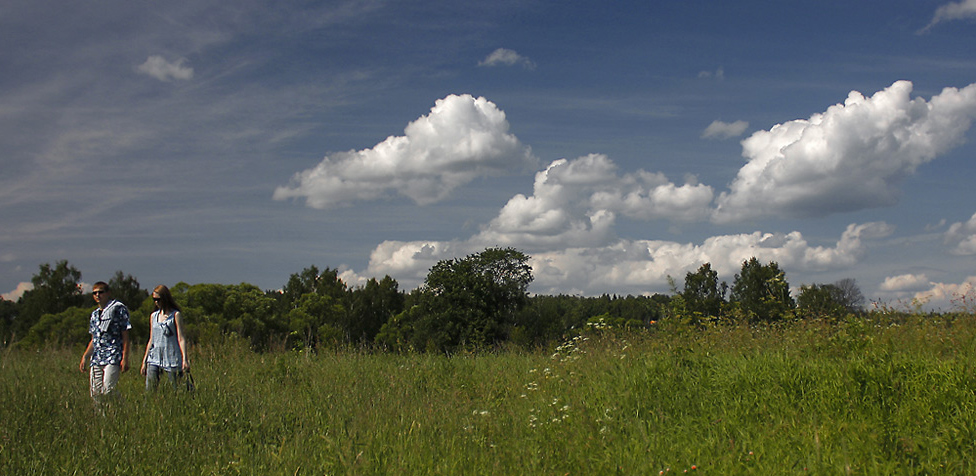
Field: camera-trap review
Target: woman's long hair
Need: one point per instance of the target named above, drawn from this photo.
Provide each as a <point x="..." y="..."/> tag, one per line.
<point x="165" y="302"/>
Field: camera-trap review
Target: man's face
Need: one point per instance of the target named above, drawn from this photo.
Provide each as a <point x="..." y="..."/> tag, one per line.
<point x="102" y="296"/>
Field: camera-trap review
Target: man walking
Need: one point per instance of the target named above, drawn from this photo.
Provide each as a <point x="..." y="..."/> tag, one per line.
<point x="109" y="347"/>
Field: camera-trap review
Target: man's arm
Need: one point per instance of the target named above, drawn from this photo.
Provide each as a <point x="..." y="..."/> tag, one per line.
<point x="84" y="357"/>
<point x="125" y="350"/>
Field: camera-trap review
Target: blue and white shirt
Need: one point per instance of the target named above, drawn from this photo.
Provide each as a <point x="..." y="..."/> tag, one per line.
<point x="164" y="347"/>
<point x="106" y="327"/>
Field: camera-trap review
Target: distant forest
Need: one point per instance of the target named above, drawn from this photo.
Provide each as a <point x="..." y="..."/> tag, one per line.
<point x="476" y="302"/>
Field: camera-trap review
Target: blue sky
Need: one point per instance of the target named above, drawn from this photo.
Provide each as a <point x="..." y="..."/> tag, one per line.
<point x="617" y="143"/>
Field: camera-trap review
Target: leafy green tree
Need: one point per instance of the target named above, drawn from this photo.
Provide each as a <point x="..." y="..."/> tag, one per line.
<point x="703" y="295"/>
<point x="371" y="306"/>
<point x="202" y="308"/>
<point x="820" y="301"/>
<point x="761" y="291"/>
<point x="398" y="333"/>
<point x="66" y="328"/>
<point x="465" y="303"/>
<point x="126" y="288"/>
<point x="250" y="313"/>
<point x="637" y="310"/>
<point x="8" y="313"/>
<point x="830" y="300"/>
<point x="542" y="320"/>
<point x="207" y="298"/>
<point x="140" y="316"/>
<point x="315" y="317"/>
<point x="310" y="280"/>
<point x="55" y="289"/>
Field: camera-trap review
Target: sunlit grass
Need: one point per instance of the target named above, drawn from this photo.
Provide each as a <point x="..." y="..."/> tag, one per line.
<point x="860" y="397"/>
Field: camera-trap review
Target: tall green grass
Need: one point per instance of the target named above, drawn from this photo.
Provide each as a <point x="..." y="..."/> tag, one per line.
<point x="861" y="397"/>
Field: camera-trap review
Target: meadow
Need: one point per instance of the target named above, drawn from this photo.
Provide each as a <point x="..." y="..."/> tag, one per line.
<point x="877" y="395"/>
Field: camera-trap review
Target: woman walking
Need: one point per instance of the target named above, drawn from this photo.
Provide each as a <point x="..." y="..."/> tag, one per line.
<point x="166" y="351"/>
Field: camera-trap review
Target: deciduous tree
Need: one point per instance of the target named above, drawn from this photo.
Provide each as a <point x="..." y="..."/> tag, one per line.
<point x="702" y="293"/>
<point x="761" y="291"/>
<point x="55" y="289"/>
<point x="469" y="302"/>
<point x="849" y="295"/>
<point x="371" y="306"/>
<point x="820" y="301"/>
<point x="126" y="289"/>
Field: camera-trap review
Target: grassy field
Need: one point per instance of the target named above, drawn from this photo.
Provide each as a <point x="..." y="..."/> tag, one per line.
<point x="858" y="397"/>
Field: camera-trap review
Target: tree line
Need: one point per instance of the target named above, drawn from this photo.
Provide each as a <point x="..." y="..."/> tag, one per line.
<point x="476" y="302"/>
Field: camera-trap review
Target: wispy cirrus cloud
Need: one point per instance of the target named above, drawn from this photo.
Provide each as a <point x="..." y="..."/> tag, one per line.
<point x="966" y="9"/>
<point x="724" y="130"/>
<point x="506" y="57"/>
<point x="718" y="74"/>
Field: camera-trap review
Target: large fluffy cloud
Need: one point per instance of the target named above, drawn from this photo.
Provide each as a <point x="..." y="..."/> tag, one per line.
<point x="909" y="292"/>
<point x="461" y="139"/>
<point x="905" y="282"/>
<point x="850" y="157"/>
<point x="949" y="296"/>
<point x="576" y="202"/>
<point x="645" y="265"/>
<point x="17" y="292"/>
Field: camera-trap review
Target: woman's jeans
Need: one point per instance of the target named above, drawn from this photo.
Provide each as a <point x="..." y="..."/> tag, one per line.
<point x="155" y="372"/>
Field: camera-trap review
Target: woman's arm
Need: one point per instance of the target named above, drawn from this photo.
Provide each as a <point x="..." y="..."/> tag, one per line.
<point x="182" y="340"/>
<point x="145" y="358"/>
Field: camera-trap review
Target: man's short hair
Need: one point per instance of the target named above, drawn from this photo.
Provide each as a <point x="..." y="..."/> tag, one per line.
<point x="101" y="284"/>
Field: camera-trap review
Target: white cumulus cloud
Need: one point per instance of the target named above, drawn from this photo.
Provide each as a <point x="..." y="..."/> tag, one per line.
<point x="905" y="282"/>
<point x="634" y="266"/>
<point x="410" y="261"/>
<point x="17" y="292"/>
<point x="461" y="139"/>
<point x="961" y="237"/>
<point x="639" y="265"/>
<point x="163" y="70"/>
<point x="576" y="203"/>
<point x="949" y="296"/>
<point x="506" y="57"/>
<point x="724" y="130"/>
<point x="852" y="156"/>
